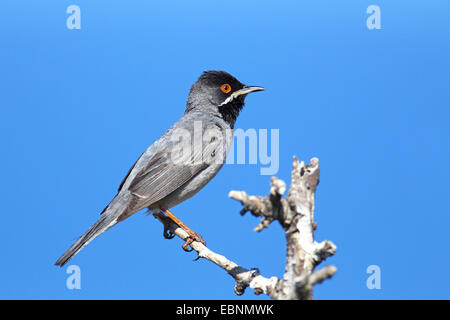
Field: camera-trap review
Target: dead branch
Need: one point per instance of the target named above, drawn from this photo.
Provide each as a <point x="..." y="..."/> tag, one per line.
<point x="295" y="213"/>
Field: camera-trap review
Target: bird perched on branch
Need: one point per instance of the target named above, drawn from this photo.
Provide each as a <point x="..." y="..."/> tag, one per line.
<point x="181" y="162"/>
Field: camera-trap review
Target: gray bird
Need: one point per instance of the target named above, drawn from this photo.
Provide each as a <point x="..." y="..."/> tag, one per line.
<point x="181" y="162"/>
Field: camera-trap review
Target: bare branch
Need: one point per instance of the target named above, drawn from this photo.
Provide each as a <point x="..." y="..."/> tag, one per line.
<point x="295" y="213"/>
<point x="244" y="277"/>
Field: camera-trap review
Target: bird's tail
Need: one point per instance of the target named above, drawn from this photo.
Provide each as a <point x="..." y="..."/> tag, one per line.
<point x="108" y="219"/>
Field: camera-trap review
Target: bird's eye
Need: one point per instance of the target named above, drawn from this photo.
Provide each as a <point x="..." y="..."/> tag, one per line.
<point x="226" y="88"/>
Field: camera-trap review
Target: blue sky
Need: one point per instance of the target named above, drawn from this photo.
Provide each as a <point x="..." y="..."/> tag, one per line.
<point x="79" y="106"/>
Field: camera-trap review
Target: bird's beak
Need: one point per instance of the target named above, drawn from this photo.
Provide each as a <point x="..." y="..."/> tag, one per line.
<point x="247" y="89"/>
<point x="242" y="92"/>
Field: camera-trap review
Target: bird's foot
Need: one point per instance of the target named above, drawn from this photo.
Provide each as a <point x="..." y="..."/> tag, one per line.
<point x="193" y="236"/>
<point x="167" y="232"/>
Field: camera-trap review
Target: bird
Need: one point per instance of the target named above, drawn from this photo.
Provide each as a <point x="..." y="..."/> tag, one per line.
<point x="181" y="162"/>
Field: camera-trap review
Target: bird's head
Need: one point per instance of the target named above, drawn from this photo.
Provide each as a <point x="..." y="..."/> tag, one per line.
<point x="220" y="93"/>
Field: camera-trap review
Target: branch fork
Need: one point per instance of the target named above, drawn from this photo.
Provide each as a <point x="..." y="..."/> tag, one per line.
<point x="295" y="213"/>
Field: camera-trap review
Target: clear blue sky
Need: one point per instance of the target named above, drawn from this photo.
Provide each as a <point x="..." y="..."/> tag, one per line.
<point x="79" y="106"/>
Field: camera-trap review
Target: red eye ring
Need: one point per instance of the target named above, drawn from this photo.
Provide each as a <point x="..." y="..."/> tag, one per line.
<point x="225" y="88"/>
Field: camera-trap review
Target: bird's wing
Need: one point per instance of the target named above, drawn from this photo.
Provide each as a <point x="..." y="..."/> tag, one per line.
<point x="161" y="175"/>
<point x="128" y="173"/>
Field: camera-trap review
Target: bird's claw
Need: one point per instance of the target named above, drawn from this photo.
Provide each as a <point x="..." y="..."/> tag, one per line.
<point x="192" y="237"/>
<point x="186" y="245"/>
<point x="167" y="232"/>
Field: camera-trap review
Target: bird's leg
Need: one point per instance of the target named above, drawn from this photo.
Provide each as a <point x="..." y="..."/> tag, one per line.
<point x="193" y="236"/>
<point x="167" y="233"/>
